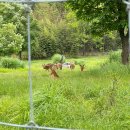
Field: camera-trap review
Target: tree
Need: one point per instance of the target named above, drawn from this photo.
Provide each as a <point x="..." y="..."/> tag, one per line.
<point x="104" y="16"/>
<point x="111" y="42"/>
<point x="16" y="14"/>
<point x="10" y="41"/>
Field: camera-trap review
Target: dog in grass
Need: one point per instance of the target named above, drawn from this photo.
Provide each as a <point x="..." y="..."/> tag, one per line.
<point x="52" y="68"/>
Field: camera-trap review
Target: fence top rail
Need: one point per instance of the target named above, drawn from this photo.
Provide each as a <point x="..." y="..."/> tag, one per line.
<point x="30" y="127"/>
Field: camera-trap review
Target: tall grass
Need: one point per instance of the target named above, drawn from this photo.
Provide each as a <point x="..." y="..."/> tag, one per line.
<point x="96" y="99"/>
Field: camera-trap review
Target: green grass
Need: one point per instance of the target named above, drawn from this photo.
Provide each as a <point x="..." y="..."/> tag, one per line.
<point x="96" y="99"/>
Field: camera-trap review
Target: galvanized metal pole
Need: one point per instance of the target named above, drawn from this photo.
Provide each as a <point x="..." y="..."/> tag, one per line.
<point x="128" y="8"/>
<point x="28" y="9"/>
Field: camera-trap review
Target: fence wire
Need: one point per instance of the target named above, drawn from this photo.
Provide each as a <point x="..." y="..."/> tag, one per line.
<point x="28" y="127"/>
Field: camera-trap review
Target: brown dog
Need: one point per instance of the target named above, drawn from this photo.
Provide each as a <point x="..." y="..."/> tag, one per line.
<point x="51" y="67"/>
<point x="53" y="72"/>
<point x="59" y="66"/>
<point x="47" y="66"/>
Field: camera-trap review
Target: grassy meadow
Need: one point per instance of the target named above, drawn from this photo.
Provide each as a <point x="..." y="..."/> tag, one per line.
<point x="96" y="99"/>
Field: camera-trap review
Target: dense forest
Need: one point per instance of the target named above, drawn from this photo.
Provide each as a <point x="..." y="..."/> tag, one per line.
<point x="54" y="29"/>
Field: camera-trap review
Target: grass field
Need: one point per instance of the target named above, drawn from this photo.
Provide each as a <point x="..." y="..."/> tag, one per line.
<point x="96" y="99"/>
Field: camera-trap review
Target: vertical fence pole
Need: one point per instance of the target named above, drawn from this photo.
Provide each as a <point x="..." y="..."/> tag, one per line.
<point x="128" y="8"/>
<point x="29" y="66"/>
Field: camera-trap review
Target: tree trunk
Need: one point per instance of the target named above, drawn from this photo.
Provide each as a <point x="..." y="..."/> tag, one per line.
<point x="125" y="47"/>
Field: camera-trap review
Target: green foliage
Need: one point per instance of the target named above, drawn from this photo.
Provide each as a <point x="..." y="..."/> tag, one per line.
<point x="47" y="46"/>
<point x="114" y="57"/>
<point x="111" y="42"/>
<point x="114" y="69"/>
<point x="12" y="63"/>
<point x="102" y="14"/>
<point x="11" y="42"/>
<point x="80" y="62"/>
<point x="37" y="52"/>
<point x="60" y="30"/>
<point x="13" y="16"/>
<point x="49" y="102"/>
<point x="74" y="50"/>
<point x="54" y="29"/>
<point x="12" y="13"/>
<point x="57" y="58"/>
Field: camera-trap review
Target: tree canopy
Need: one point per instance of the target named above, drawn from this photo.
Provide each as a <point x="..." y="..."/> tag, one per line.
<point x="10" y="41"/>
<point x="54" y="29"/>
<point x="104" y="16"/>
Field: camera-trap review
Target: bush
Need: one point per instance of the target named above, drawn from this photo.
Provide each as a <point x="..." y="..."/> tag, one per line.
<point x="114" y="57"/>
<point x="79" y="62"/>
<point x="57" y="58"/>
<point x="13" y="63"/>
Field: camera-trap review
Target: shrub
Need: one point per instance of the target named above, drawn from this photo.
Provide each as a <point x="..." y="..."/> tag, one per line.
<point x="80" y="62"/>
<point x="114" y="57"/>
<point x="13" y="63"/>
<point x="57" y="58"/>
